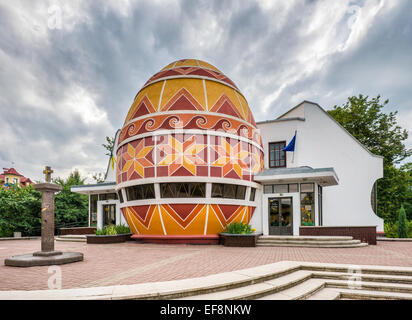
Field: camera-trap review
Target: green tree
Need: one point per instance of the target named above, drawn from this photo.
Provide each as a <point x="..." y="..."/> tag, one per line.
<point x="20" y="211"/>
<point x="402" y="224"/>
<point x="71" y="208"/>
<point x="109" y="146"/>
<point x="364" y="118"/>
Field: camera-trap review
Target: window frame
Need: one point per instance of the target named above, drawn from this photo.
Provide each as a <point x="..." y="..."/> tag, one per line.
<point x="274" y="150"/>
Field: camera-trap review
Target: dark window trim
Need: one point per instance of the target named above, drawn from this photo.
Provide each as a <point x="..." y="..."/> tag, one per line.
<point x="284" y="154"/>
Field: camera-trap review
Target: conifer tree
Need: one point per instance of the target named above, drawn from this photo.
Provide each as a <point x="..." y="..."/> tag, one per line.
<point x="402" y="224"/>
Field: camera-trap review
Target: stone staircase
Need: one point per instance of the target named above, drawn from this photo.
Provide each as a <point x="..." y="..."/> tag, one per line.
<point x="316" y="282"/>
<point x="309" y="241"/>
<point x="285" y="280"/>
<point x="72" y="238"/>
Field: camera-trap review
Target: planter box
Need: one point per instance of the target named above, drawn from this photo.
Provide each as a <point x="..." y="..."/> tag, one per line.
<point x="77" y="231"/>
<point x="238" y="240"/>
<point x="116" y="238"/>
<point x="362" y="233"/>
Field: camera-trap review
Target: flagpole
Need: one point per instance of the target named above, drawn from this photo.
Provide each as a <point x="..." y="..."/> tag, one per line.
<point x="293" y="156"/>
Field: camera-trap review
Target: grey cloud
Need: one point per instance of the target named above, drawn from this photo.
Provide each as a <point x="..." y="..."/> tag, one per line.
<point x="112" y="57"/>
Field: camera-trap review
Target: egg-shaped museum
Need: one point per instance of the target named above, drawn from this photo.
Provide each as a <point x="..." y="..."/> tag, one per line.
<point x="187" y="153"/>
<point x="190" y="159"/>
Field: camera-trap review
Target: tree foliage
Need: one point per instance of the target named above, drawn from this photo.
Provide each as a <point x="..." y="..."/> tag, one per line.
<point x="20" y="211"/>
<point x="402" y="224"/>
<point x="71" y="208"/>
<point x="364" y="118"/>
<point x="20" y="208"/>
<point x="109" y="146"/>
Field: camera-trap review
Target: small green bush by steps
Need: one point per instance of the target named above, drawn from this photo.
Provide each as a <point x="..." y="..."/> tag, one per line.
<point x="113" y="230"/>
<point x="239" y="228"/>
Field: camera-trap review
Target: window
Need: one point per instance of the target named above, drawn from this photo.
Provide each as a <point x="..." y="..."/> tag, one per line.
<point x="277" y="157"/>
<point x="15" y="180"/>
<point x="294" y="187"/>
<point x="93" y="209"/>
<point x="120" y="195"/>
<point x="306" y="187"/>
<point x="228" y="191"/>
<point x="108" y="196"/>
<point x="281" y="188"/>
<point x="252" y="194"/>
<point x="140" y="192"/>
<point x="320" y="206"/>
<point x="183" y="190"/>
<point x="307" y="204"/>
<point x="373" y="199"/>
<point x="240" y="192"/>
<point x="268" y="188"/>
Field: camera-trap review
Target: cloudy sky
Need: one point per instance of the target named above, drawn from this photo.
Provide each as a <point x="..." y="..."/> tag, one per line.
<point x="69" y="70"/>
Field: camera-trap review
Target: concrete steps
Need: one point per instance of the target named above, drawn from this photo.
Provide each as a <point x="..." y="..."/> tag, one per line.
<point x="309" y="241"/>
<point x="348" y="294"/>
<point x="327" y="282"/>
<point x="299" y="292"/>
<point x="285" y="280"/>
<point x="71" y="238"/>
<point x="254" y="291"/>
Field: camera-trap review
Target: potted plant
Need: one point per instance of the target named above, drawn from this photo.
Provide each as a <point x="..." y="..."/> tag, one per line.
<point x="238" y="234"/>
<point x="110" y="234"/>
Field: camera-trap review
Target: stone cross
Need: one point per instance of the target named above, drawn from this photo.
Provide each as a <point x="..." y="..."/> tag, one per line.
<point x="48" y="171"/>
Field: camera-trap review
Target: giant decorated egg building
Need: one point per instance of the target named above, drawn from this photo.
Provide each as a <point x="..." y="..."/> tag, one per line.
<point x="187" y="153"/>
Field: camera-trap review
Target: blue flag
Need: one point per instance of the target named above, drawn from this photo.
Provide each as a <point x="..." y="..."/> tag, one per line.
<point x="291" y="145"/>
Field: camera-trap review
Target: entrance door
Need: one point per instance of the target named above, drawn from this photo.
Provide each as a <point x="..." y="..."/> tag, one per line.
<point x="109" y="214"/>
<point x="280" y="216"/>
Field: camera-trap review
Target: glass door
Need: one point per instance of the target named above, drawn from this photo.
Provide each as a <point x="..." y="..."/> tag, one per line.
<point x="280" y="216"/>
<point x="109" y="214"/>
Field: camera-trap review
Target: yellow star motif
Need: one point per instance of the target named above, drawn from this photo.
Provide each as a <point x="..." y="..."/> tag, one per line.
<point x="135" y="159"/>
<point x="230" y="157"/>
<point x="182" y="154"/>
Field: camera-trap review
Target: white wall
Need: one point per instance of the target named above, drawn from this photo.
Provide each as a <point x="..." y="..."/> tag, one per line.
<point x="256" y="222"/>
<point x="320" y="143"/>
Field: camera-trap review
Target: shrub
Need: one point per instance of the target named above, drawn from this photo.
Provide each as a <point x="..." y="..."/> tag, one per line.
<point x="391" y="230"/>
<point x="113" y="230"/>
<point x="239" y="228"/>
<point x="402" y="224"/>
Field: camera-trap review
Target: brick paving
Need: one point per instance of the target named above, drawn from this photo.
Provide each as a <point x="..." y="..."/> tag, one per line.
<point x="132" y="262"/>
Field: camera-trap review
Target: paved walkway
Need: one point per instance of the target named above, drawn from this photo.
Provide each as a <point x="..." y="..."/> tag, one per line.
<point x="131" y="262"/>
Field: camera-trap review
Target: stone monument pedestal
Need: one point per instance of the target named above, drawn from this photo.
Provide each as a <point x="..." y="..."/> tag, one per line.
<point x="47" y="256"/>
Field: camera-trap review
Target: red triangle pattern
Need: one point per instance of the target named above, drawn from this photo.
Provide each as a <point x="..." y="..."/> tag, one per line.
<point x="225" y="106"/>
<point x="182" y="100"/>
<point x="144" y="107"/>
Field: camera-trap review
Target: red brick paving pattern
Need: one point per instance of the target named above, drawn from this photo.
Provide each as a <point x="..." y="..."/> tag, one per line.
<point x="131" y="262"/>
